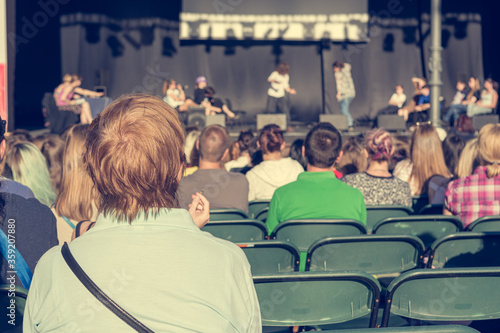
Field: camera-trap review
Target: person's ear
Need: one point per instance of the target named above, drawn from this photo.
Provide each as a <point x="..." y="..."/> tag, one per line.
<point x="198" y="145"/>
<point x="225" y="154"/>
<point x="339" y="157"/>
<point x="283" y="145"/>
<point x="303" y="151"/>
<point x="3" y="147"/>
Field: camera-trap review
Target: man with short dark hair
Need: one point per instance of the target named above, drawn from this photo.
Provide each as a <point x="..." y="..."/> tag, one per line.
<point x="317" y="193"/>
<point x="222" y="189"/>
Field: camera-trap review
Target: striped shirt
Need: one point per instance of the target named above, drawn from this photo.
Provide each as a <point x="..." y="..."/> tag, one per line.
<point x="474" y="196"/>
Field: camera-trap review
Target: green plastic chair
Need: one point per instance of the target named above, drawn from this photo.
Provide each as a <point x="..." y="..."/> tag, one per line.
<point x="238" y="230"/>
<point x="485" y="224"/>
<point x="431" y="209"/>
<point x="448" y="294"/>
<point x="255" y="206"/>
<point x="427" y="228"/>
<point x="317" y="298"/>
<point x="466" y="249"/>
<point x="228" y="214"/>
<point x="20" y="302"/>
<point x="412" y="329"/>
<point x="271" y="257"/>
<point x="262" y="215"/>
<point x="303" y="233"/>
<point x="375" y="214"/>
<point x="375" y="255"/>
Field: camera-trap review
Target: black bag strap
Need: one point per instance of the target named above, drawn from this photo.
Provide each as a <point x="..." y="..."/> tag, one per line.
<point x="99" y="294"/>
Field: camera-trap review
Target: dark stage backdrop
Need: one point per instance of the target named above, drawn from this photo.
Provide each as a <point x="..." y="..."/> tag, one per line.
<point x="137" y="54"/>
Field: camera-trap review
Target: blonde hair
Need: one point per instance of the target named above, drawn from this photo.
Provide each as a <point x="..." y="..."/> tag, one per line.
<point x="468" y="159"/>
<point x="353" y="158"/>
<point x="427" y="157"/>
<point x="476" y="87"/>
<point x="29" y="168"/>
<point x="135" y="156"/>
<point x="76" y="193"/>
<point x="489" y="149"/>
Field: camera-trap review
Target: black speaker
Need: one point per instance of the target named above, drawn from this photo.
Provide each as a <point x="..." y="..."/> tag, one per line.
<point x="391" y="122"/>
<point x="337" y="120"/>
<point x="266" y="119"/>
<point x="197" y="117"/>
<point x="482" y="119"/>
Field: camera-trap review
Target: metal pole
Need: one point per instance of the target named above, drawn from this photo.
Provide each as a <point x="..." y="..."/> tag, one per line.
<point x="435" y="65"/>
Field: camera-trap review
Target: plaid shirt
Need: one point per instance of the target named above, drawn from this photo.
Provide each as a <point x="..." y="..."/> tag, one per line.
<point x="474" y="196"/>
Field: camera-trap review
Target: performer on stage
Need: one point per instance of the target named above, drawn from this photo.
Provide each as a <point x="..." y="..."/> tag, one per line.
<point x="345" y="88"/>
<point x="277" y="98"/>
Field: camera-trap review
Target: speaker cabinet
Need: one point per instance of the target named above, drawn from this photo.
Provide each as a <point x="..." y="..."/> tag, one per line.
<point x="480" y="120"/>
<point x="391" y="122"/>
<point x="337" y="120"/>
<point x="218" y="119"/>
<point x="266" y="119"/>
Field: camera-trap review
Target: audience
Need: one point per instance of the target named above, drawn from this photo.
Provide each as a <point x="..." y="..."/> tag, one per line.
<point x="469" y="159"/>
<point x="188" y="279"/>
<point x="30" y="222"/>
<point x="455" y="110"/>
<point x="487" y="102"/>
<point x="52" y="149"/>
<point x="274" y="171"/>
<point x="223" y="189"/>
<point x="28" y="166"/>
<point x="353" y="159"/>
<point x="75" y="202"/>
<point x="296" y="152"/>
<point x="317" y="193"/>
<point x="240" y="158"/>
<point x="477" y="195"/>
<point x="377" y="184"/>
<point x="460" y="97"/>
<point x="426" y="160"/>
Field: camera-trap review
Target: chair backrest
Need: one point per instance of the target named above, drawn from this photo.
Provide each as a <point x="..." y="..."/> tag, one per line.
<point x="485" y="224"/>
<point x="14" y="312"/>
<point x="255" y="206"/>
<point x="431" y="209"/>
<point x="369" y="253"/>
<point x="419" y="201"/>
<point x="428" y="228"/>
<point x="228" y="214"/>
<point x="271" y="256"/>
<point x="449" y="294"/>
<point x="375" y="214"/>
<point x="411" y="329"/>
<point x="262" y="215"/>
<point x="316" y="298"/>
<point x="303" y="233"/>
<point x="466" y="249"/>
<point x="238" y="230"/>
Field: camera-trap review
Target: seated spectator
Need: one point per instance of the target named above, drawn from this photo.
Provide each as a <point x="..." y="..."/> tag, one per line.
<point x="52" y="148"/>
<point x="274" y="171"/>
<point x="378" y="185"/>
<point x="452" y="148"/>
<point x="176" y="98"/>
<point x="76" y="199"/>
<point x="455" y="110"/>
<point x="296" y="152"/>
<point x="255" y="157"/>
<point x="477" y="195"/>
<point x="223" y="189"/>
<point x="190" y="280"/>
<point x="204" y="96"/>
<point x="396" y="101"/>
<point x="30" y="222"/>
<point x="426" y="160"/>
<point x="317" y="193"/>
<point x="240" y="158"/>
<point x="460" y="97"/>
<point x="423" y="103"/>
<point x="469" y="159"/>
<point x="28" y="167"/>
<point x="487" y="102"/>
<point x="353" y="159"/>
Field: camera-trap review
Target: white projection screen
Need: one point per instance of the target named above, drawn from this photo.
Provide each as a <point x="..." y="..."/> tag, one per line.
<point x="294" y="20"/>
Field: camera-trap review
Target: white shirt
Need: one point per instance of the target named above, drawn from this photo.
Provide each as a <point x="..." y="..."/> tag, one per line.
<point x="166" y="272"/>
<point x="171" y="101"/>
<point x="400" y="99"/>
<point x="279" y="86"/>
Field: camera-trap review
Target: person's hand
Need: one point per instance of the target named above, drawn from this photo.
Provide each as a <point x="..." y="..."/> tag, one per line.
<point x="418" y="108"/>
<point x="199" y="209"/>
<point x="338" y="95"/>
<point x="293" y="91"/>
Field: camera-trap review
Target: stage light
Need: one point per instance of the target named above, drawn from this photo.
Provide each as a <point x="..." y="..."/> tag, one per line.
<point x="168" y="49"/>
<point x="116" y="46"/>
<point x="92" y="33"/>
<point x="388" y="45"/>
<point x="147" y="35"/>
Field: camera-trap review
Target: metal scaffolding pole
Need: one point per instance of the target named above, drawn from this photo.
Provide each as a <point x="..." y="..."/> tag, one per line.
<point x="435" y="65"/>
